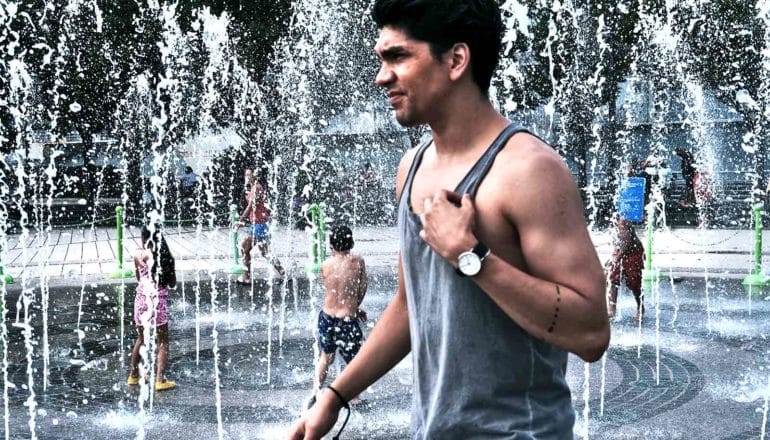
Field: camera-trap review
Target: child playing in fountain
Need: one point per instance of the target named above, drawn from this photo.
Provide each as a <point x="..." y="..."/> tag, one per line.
<point x="344" y="279"/>
<point x="155" y="272"/>
<point x="258" y="215"/>
<point x="626" y="262"/>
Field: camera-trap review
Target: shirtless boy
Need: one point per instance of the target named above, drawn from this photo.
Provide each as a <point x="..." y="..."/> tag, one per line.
<point x="344" y="279"/>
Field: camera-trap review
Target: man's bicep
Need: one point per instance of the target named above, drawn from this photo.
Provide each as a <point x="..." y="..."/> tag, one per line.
<point x="554" y="239"/>
<point x="568" y="259"/>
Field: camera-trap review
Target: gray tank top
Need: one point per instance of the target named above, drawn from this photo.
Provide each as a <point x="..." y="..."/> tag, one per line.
<point x="477" y="374"/>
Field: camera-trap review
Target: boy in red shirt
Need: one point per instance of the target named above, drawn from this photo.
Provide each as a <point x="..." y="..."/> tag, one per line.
<point x="258" y="215"/>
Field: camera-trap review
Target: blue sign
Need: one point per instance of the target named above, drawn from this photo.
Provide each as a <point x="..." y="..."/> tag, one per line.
<point x="631" y="200"/>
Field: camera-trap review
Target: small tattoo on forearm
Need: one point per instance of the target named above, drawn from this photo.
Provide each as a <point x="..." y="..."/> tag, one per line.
<point x="556" y="312"/>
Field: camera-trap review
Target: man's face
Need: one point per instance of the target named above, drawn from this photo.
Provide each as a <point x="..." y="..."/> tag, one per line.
<point x="411" y="76"/>
<point x="248" y="176"/>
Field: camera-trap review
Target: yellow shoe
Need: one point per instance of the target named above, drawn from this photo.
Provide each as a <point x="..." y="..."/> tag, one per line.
<point x="165" y="385"/>
<point x="135" y="380"/>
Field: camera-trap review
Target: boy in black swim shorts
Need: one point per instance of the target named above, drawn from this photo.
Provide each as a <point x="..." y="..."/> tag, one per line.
<point x="345" y="282"/>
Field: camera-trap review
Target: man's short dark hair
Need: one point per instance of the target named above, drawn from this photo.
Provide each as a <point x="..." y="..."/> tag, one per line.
<point x="443" y="23"/>
<point x="341" y="239"/>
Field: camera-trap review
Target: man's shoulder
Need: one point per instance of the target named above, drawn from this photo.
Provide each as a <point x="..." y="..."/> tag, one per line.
<point x="534" y="173"/>
<point x="526" y="155"/>
<point x="403" y="167"/>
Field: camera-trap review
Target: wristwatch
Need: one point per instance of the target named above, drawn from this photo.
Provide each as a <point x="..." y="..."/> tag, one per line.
<point x="469" y="262"/>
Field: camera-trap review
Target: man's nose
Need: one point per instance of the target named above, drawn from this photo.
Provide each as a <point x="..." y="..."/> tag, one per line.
<point x="384" y="76"/>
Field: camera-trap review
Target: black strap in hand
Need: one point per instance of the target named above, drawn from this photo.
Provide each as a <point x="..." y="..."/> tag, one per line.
<point x="345" y="405"/>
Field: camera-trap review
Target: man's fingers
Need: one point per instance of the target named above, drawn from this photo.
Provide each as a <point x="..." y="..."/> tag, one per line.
<point x="450" y="196"/>
<point x="453" y="197"/>
<point x="426" y="204"/>
<point x="466" y="201"/>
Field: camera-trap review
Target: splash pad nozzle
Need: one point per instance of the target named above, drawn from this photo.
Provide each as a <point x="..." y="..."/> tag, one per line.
<point x="237" y="268"/>
<point x="317" y="239"/>
<point x="4" y="278"/>
<point x="649" y="274"/>
<point x="121" y="272"/>
<point x="757" y="278"/>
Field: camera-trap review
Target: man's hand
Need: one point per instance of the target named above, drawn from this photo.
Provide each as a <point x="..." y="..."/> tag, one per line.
<point x="448" y="220"/>
<point x="237" y="224"/>
<point x="318" y="421"/>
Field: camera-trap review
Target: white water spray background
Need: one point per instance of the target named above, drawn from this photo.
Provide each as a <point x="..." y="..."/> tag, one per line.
<point x="300" y="57"/>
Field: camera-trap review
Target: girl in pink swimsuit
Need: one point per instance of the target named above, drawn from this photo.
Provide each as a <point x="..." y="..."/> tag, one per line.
<point x="155" y="273"/>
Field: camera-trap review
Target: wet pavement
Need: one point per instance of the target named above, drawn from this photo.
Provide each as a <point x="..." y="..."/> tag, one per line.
<point x="696" y="368"/>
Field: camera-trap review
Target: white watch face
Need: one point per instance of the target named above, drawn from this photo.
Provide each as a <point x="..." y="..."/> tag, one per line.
<point x="469" y="263"/>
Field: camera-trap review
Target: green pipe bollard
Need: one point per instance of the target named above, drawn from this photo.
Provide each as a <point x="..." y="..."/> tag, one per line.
<point x="650" y="274"/>
<point x="237" y="268"/>
<point x="317" y="239"/>
<point x="4" y="278"/>
<point x="756" y="278"/>
<point x="321" y="235"/>
<point x="121" y="273"/>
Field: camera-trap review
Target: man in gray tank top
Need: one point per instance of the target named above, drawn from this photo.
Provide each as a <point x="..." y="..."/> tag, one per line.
<point x="498" y="279"/>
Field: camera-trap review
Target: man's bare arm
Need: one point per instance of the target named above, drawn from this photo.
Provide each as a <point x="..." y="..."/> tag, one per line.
<point x="564" y="293"/>
<point x="561" y="296"/>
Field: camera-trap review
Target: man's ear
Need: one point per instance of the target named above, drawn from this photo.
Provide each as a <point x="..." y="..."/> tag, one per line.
<point x="459" y="60"/>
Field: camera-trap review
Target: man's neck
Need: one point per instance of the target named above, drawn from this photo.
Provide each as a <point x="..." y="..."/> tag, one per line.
<point x="336" y="253"/>
<point x="469" y="119"/>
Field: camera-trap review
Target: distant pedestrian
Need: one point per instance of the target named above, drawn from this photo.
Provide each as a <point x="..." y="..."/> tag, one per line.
<point x="147" y="198"/>
<point x="664" y="178"/>
<point x="371" y="188"/>
<point x="188" y="182"/>
<point x="299" y="208"/>
<point x="767" y="195"/>
<point x="688" y="173"/>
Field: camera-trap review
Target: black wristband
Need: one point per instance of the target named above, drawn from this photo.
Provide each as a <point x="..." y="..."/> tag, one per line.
<point x="481" y="250"/>
<point x="339" y="396"/>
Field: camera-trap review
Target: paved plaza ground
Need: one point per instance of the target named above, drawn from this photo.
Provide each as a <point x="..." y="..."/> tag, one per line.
<point x="70" y="255"/>
<point x="697" y="367"/>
